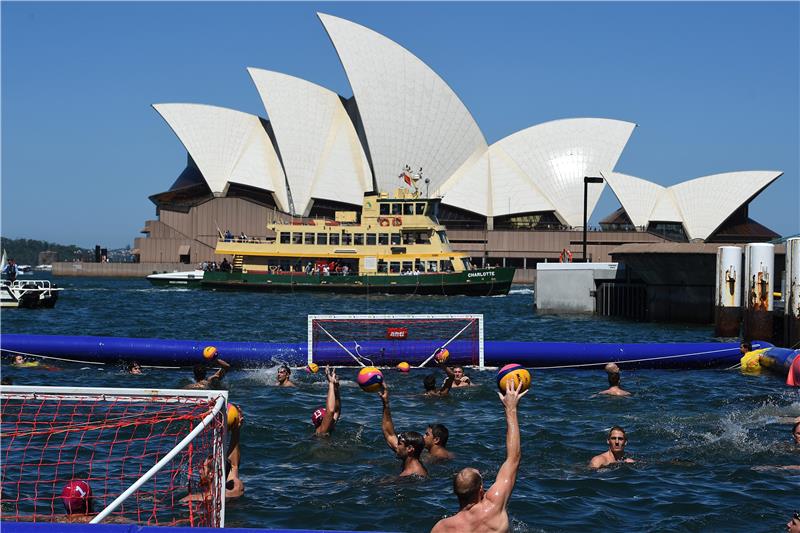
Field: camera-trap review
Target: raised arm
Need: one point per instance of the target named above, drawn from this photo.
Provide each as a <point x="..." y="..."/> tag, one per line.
<point x="507" y="475"/>
<point x="449" y="380"/>
<point x="223" y="369"/>
<point x="337" y="405"/>
<point x="330" y="403"/>
<point x="387" y="425"/>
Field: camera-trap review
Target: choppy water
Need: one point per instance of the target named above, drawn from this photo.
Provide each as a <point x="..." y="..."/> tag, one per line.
<point x="709" y="444"/>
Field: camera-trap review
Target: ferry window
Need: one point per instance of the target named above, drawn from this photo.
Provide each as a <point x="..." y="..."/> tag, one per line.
<point x="432" y="266"/>
<point x="397" y="209"/>
<point x="334" y="239"/>
<point x="408" y="209"/>
<point x="347" y="238"/>
<point x="383" y="239"/>
<point x="420" y="209"/>
<point x="445" y="265"/>
<point x="395" y="238"/>
<point x="371" y="239"/>
<point x="419" y="265"/>
<point x="322" y="238"/>
<point x="442" y="236"/>
<point x="285" y="237"/>
<point x="394" y="267"/>
<point x="384" y="209"/>
<point x="467" y="263"/>
<point x="358" y="239"/>
<point x="409" y="238"/>
<point x="309" y="238"/>
<point x="297" y="238"/>
<point x="423" y="238"/>
<point x="382" y="266"/>
<point x="406" y="266"/>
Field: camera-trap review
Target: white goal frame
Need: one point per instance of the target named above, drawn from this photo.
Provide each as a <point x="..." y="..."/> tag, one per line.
<point x="476" y="317"/>
<point x="101" y="394"/>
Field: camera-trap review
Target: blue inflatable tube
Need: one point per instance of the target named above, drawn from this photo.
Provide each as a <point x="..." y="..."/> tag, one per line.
<point x="778" y="360"/>
<point x="160" y="352"/>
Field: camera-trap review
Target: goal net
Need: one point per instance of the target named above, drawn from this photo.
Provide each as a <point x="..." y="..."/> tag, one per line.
<point x="128" y="455"/>
<point x="386" y="340"/>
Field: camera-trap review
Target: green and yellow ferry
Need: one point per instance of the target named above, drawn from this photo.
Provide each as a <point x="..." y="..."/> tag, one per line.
<point x="393" y="246"/>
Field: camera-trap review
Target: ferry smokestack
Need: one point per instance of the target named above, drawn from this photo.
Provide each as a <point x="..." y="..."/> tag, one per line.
<point x="728" y="292"/>
<point x="759" y="274"/>
<point x="792" y="293"/>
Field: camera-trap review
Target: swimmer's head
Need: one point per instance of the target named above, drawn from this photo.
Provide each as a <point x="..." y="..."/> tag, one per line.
<point x="796" y="432"/>
<point x="409" y="444"/>
<point x="317" y="416"/>
<point x="436" y="434"/>
<point x="77" y="497"/>
<point x="283" y="373"/>
<point x="468" y="486"/>
<point x="746" y="347"/>
<point x="19" y="360"/>
<point x="612" y="368"/>
<point x="613" y="379"/>
<point x="429" y="382"/>
<point x="199" y="372"/>
<point x="134" y="368"/>
<point x="617" y="439"/>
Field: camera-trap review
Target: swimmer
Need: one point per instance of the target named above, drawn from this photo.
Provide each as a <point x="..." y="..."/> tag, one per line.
<point x="200" y="380"/>
<point x="325" y="418"/>
<point x="796" y="433"/>
<point x="461" y="379"/>
<point x="793" y="525"/>
<point x="20" y="362"/>
<point x="429" y="382"/>
<point x="436" y="441"/>
<point x="283" y="377"/>
<point x="234" y="487"/>
<point x="486" y="510"/>
<point x="617" y="440"/>
<point x="134" y="368"/>
<point x="407" y="445"/>
<point x="614" y="388"/>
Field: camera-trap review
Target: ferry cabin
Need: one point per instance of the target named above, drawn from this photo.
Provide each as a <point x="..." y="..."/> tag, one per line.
<point x="391" y="236"/>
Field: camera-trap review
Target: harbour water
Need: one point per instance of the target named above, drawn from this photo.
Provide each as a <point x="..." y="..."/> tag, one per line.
<point x="710" y="445"/>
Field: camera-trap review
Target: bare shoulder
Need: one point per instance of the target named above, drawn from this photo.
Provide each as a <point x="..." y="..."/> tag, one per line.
<point x="446" y="525"/>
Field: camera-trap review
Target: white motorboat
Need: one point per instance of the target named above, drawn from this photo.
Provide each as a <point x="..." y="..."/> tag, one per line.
<point x="191" y="278"/>
<point x="30" y="293"/>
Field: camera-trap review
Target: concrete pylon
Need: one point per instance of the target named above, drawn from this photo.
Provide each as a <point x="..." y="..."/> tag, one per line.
<point x="792" y="293"/>
<point x="759" y="272"/>
<point x="728" y="292"/>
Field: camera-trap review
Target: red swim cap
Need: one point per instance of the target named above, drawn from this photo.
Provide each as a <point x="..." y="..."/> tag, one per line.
<point x="793" y="377"/>
<point x="318" y="415"/>
<point x="76" y="496"/>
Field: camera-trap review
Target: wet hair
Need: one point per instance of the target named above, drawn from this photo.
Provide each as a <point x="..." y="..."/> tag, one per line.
<point x="747" y="346"/>
<point x="412" y="438"/>
<point x="613" y="379"/>
<point x="440" y="432"/>
<point x="617" y="428"/>
<point x="133" y="365"/>
<point x="285" y="369"/>
<point x="467" y="485"/>
<point x="430" y="382"/>
<point x="199" y="372"/>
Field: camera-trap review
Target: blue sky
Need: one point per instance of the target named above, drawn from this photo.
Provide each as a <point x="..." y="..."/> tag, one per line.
<point x="713" y="87"/>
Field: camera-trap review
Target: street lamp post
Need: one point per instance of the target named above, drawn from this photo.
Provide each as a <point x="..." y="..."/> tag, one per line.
<point x="586" y="181"/>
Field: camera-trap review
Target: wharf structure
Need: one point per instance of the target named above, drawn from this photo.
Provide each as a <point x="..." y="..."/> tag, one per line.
<point x="517" y="202"/>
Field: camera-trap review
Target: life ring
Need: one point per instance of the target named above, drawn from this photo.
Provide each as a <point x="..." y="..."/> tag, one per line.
<point x="397" y="221"/>
<point x="383" y="221"/>
<point x="565" y="257"/>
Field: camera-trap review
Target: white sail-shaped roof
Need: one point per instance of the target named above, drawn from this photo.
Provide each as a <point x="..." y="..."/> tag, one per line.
<point x="410" y="115"/>
<point x="706" y="202"/>
<point x="637" y="196"/>
<point x="227" y="146"/>
<point x="556" y="156"/>
<point x="321" y="153"/>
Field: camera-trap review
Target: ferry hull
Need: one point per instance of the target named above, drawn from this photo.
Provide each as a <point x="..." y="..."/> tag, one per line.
<point x="484" y="282"/>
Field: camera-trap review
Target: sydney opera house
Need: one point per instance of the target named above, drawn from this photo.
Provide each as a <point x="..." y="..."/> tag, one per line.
<point x="517" y="201"/>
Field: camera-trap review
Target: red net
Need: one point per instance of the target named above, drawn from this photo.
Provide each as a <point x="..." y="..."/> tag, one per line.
<point x="109" y="442"/>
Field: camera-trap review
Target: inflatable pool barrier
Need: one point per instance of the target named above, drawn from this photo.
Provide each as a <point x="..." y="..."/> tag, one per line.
<point x="163" y="352"/>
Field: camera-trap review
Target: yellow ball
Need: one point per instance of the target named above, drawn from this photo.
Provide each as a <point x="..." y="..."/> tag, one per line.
<point x="516" y="374"/>
<point x="233" y="415"/>
<point x="442" y="355"/>
<point x="312" y="367"/>
<point x="403" y="367"/>
<point x="209" y="353"/>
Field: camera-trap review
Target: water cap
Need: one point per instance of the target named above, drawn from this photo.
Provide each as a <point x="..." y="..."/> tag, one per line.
<point x="318" y="415"/>
<point x="76" y="496"/>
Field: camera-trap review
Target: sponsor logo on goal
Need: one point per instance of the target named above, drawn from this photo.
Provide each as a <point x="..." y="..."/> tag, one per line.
<point x="397" y="333"/>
